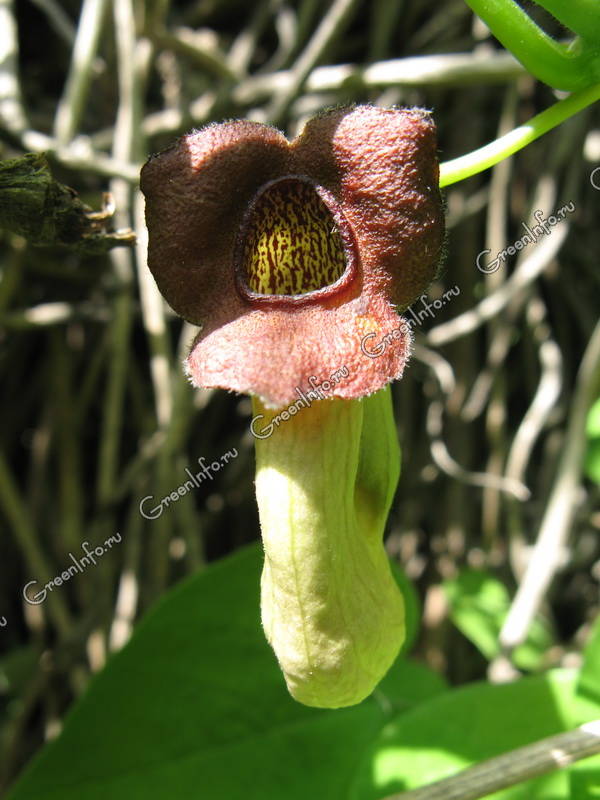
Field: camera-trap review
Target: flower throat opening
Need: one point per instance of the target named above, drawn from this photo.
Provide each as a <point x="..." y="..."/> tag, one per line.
<point x="292" y="244"/>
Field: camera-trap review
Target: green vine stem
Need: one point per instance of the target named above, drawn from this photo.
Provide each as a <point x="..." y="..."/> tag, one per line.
<point x="569" y="66"/>
<point x="581" y="16"/>
<point x="458" y="169"/>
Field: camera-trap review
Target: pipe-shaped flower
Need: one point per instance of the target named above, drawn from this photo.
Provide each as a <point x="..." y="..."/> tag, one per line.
<point x="288" y="253"/>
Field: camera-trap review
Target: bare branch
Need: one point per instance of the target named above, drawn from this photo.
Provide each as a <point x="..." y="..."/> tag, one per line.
<point x="531" y="761"/>
<point x="547" y="555"/>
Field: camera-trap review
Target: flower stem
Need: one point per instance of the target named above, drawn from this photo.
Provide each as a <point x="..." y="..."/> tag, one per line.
<point x="470" y="164"/>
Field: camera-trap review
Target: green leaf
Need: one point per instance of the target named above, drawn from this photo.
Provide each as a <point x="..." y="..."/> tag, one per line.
<point x="589" y="681"/>
<point x="479" y="604"/>
<point x="584" y="780"/>
<point x="459" y="728"/>
<point x="407" y="684"/>
<point x="585" y="776"/>
<point x="592" y="458"/>
<point x="195" y="706"/>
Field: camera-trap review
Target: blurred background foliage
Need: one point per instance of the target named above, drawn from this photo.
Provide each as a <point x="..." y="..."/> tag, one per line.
<point x="95" y="413"/>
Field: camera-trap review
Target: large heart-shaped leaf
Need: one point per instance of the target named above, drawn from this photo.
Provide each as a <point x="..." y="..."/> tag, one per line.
<point x="195" y="706"/>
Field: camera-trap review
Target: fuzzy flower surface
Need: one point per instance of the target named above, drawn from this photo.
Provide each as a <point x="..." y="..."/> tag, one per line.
<point x="287" y="253"/>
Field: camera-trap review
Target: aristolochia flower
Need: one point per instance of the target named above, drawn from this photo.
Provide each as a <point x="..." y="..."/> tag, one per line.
<point x="288" y="254"/>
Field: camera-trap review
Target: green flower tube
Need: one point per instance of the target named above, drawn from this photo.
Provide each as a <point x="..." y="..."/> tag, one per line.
<point x="330" y="607"/>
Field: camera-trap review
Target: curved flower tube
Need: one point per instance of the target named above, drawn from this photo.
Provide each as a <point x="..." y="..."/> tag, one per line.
<point x="289" y="254"/>
<point x="330" y="606"/>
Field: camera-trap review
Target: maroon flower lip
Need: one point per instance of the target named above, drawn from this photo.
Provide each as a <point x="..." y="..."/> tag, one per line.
<point x="288" y="253"/>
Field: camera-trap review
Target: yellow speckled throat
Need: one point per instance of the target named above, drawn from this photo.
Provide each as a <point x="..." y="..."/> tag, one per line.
<point x="292" y="244"/>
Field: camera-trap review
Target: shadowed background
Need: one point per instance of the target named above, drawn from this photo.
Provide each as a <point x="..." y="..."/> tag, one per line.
<point x="96" y="414"/>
